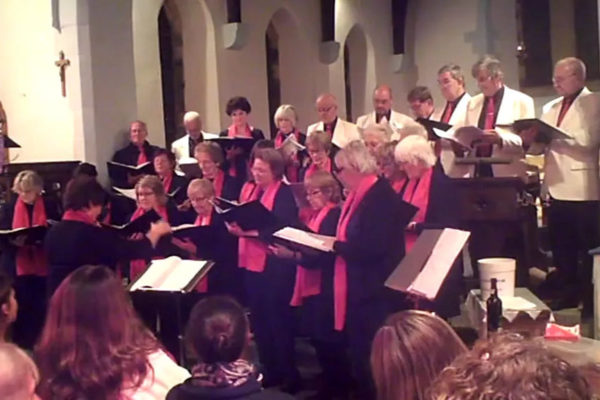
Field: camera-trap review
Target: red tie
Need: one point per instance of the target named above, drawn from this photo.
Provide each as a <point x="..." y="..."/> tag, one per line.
<point x="566" y="104"/>
<point x="448" y="112"/>
<point x="490" y="112"/>
<point x="328" y="129"/>
<point x="142" y="157"/>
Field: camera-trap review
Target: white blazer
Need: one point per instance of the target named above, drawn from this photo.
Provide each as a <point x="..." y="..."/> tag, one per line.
<point x="571" y="165"/>
<point x="396" y="123"/>
<point x="181" y="146"/>
<point x="515" y="105"/>
<point x="344" y="132"/>
<point x="447" y="155"/>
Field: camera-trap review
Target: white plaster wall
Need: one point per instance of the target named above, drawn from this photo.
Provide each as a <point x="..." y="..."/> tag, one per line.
<point x="40" y="119"/>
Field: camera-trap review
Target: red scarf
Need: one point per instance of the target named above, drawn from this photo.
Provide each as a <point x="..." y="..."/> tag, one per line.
<point x="218" y="183"/>
<point x="291" y="171"/>
<point x="314" y="168"/>
<point x="142" y="159"/>
<point x="417" y="194"/>
<point x="253" y="252"/>
<point x="167" y="182"/>
<point x="397" y="185"/>
<point x="31" y="260"/>
<point x="308" y="281"/>
<point x="79" y="216"/>
<point x="340" y="284"/>
<point x="202" y="286"/>
<point x="233" y="132"/>
<point x="139" y="266"/>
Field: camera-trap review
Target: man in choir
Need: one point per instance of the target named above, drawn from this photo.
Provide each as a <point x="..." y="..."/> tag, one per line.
<point x="184" y="146"/>
<point x="383" y="113"/>
<point x="497" y="104"/>
<point x="421" y="102"/>
<point x="342" y="132"/>
<point x="137" y="152"/>
<point x="452" y="85"/>
<point x="571" y="181"/>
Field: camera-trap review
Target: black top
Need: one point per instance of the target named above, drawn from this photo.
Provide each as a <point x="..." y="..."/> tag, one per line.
<point x="231" y="188"/>
<point x="241" y="162"/>
<point x="129" y="154"/>
<point x="178" y="189"/>
<point x="251" y="390"/>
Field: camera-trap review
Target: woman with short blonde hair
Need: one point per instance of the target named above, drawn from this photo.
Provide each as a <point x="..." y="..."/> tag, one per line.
<point x="375" y="135"/>
<point x="28" y="181"/>
<point x="285" y="119"/>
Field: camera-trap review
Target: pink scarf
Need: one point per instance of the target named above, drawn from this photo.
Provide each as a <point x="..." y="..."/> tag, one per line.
<point x="308" y="281"/>
<point x="417" y="194"/>
<point x="79" y="216"/>
<point x="233" y="132"/>
<point x="30" y="259"/>
<point x="314" y="168"/>
<point x="218" y="183"/>
<point x="167" y="181"/>
<point x="139" y="266"/>
<point x="253" y="252"/>
<point x="340" y="283"/>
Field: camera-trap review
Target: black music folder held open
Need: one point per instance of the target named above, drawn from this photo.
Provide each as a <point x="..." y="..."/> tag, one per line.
<point x="226" y="143"/>
<point x="118" y="172"/>
<point x="33" y="235"/>
<point x="546" y="132"/>
<point x="249" y="216"/>
<point x="429" y="124"/>
<point x="138" y="225"/>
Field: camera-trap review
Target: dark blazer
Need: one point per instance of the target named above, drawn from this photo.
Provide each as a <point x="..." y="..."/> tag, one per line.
<point x="129" y="155"/>
<point x="241" y="162"/>
<point x="178" y="189"/>
<point x="251" y="390"/>
<point x="231" y="188"/>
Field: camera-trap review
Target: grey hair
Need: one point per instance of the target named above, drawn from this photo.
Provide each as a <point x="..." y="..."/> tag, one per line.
<point x="27" y="180"/>
<point x="490" y="64"/>
<point x="355" y="155"/>
<point x="191" y="116"/>
<point x="203" y="186"/>
<point x="576" y="65"/>
<point x="455" y="72"/>
<point x="381" y="129"/>
<point x="287" y="111"/>
<point x="414" y="149"/>
<point x="412" y="129"/>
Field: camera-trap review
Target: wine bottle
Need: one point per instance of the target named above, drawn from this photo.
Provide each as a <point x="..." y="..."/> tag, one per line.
<point x="494" y="308"/>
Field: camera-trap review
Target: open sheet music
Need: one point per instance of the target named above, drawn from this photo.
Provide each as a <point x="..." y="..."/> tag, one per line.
<point x="172" y="274"/>
<point x="129" y="193"/>
<point x="308" y="239"/>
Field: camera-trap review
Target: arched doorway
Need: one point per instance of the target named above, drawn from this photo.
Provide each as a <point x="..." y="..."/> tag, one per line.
<point x="355" y="72"/>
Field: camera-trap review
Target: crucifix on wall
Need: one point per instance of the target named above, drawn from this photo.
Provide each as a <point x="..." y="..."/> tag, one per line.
<point x="62" y="63"/>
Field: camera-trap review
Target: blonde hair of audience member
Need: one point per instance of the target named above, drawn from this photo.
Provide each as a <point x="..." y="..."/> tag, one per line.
<point x="412" y="130"/>
<point x="201" y="192"/>
<point x="285" y="112"/>
<point x="415" y="156"/>
<point x="157" y="198"/>
<point x="29" y="185"/>
<point x="409" y="351"/>
<point x="18" y="374"/>
<point x="508" y="366"/>
<point x="375" y="135"/>
<point x="324" y="183"/>
<point x="388" y="167"/>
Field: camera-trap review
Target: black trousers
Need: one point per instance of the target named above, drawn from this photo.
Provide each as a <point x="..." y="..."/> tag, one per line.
<point x="574" y="230"/>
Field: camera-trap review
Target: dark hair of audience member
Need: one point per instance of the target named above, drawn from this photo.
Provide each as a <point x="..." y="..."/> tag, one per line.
<point x="6" y="292"/>
<point x="85" y="169"/>
<point x="409" y="351"/>
<point x="217" y="330"/>
<point x="507" y="366"/>
<point x="83" y="191"/>
<point x="93" y="345"/>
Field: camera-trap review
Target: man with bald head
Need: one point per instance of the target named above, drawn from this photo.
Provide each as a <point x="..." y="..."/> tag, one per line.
<point x="342" y="132"/>
<point x="184" y="146"/>
<point x="571" y="181"/>
<point x="383" y="113"/>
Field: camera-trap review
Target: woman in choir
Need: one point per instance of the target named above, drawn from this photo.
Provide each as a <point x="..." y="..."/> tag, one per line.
<point x="219" y="334"/>
<point x="388" y="167"/>
<point x="286" y="119"/>
<point x="375" y="136"/>
<point x="175" y="186"/>
<point x="27" y="262"/>
<point x="93" y="345"/>
<point x="408" y="353"/>
<point x="8" y="306"/>
<point x="369" y="245"/>
<point x="238" y="109"/>
<point x="314" y="285"/>
<point x="319" y="148"/>
<point x="269" y="280"/>
<point x="429" y="189"/>
<point x="210" y="160"/>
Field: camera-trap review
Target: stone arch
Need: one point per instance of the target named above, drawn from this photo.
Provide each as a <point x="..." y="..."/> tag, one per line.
<point x="359" y="71"/>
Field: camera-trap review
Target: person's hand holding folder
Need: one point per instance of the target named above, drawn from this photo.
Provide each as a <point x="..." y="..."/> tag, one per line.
<point x="528" y="135"/>
<point x="186" y="245"/>
<point x="157" y="230"/>
<point x="236" y="230"/>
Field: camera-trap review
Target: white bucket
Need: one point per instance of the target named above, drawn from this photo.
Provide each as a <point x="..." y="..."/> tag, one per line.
<point x="503" y="269"/>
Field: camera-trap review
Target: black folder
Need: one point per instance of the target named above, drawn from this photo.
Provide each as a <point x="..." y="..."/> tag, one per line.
<point x="429" y="124"/>
<point x="204" y="237"/>
<point x="546" y="132"/>
<point x="10" y="144"/>
<point x="34" y="234"/>
<point x="118" y="172"/>
<point x="227" y="142"/>
<point x="138" y="225"/>
<point x="249" y="216"/>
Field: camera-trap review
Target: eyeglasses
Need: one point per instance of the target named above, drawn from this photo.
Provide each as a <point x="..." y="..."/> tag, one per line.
<point x="145" y="194"/>
<point x="198" y="199"/>
<point x="313" y="193"/>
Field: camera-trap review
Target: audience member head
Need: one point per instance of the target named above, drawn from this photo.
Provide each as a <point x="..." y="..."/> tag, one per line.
<point x="238" y="109"/>
<point x="164" y="162"/>
<point x="8" y="305"/>
<point x="93" y="344"/>
<point x="488" y="73"/>
<point x="285" y="118"/>
<point x="201" y="193"/>
<point x="353" y="163"/>
<point x="84" y="194"/>
<point x="268" y="166"/>
<point x="322" y="189"/>
<point x="138" y="132"/>
<point x="18" y="374"/>
<point x="150" y="193"/>
<point x="318" y="146"/>
<point x="86" y="170"/>
<point x="507" y="366"/>
<point x="375" y="135"/>
<point x="388" y="167"/>
<point x="192" y="123"/>
<point x="28" y="185"/>
<point x="415" y="129"/>
<point x="409" y="351"/>
<point x="382" y="99"/>
<point x="210" y="158"/>
<point x="415" y="156"/>
<point x="327" y="107"/>
<point x="451" y="81"/>
<point x="420" y="102"/>
<point x="569" y="76"/>
<point x="218" y="330"/>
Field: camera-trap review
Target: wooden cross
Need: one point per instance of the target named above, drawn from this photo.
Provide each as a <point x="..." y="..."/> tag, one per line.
<point x="62" y="63"/>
